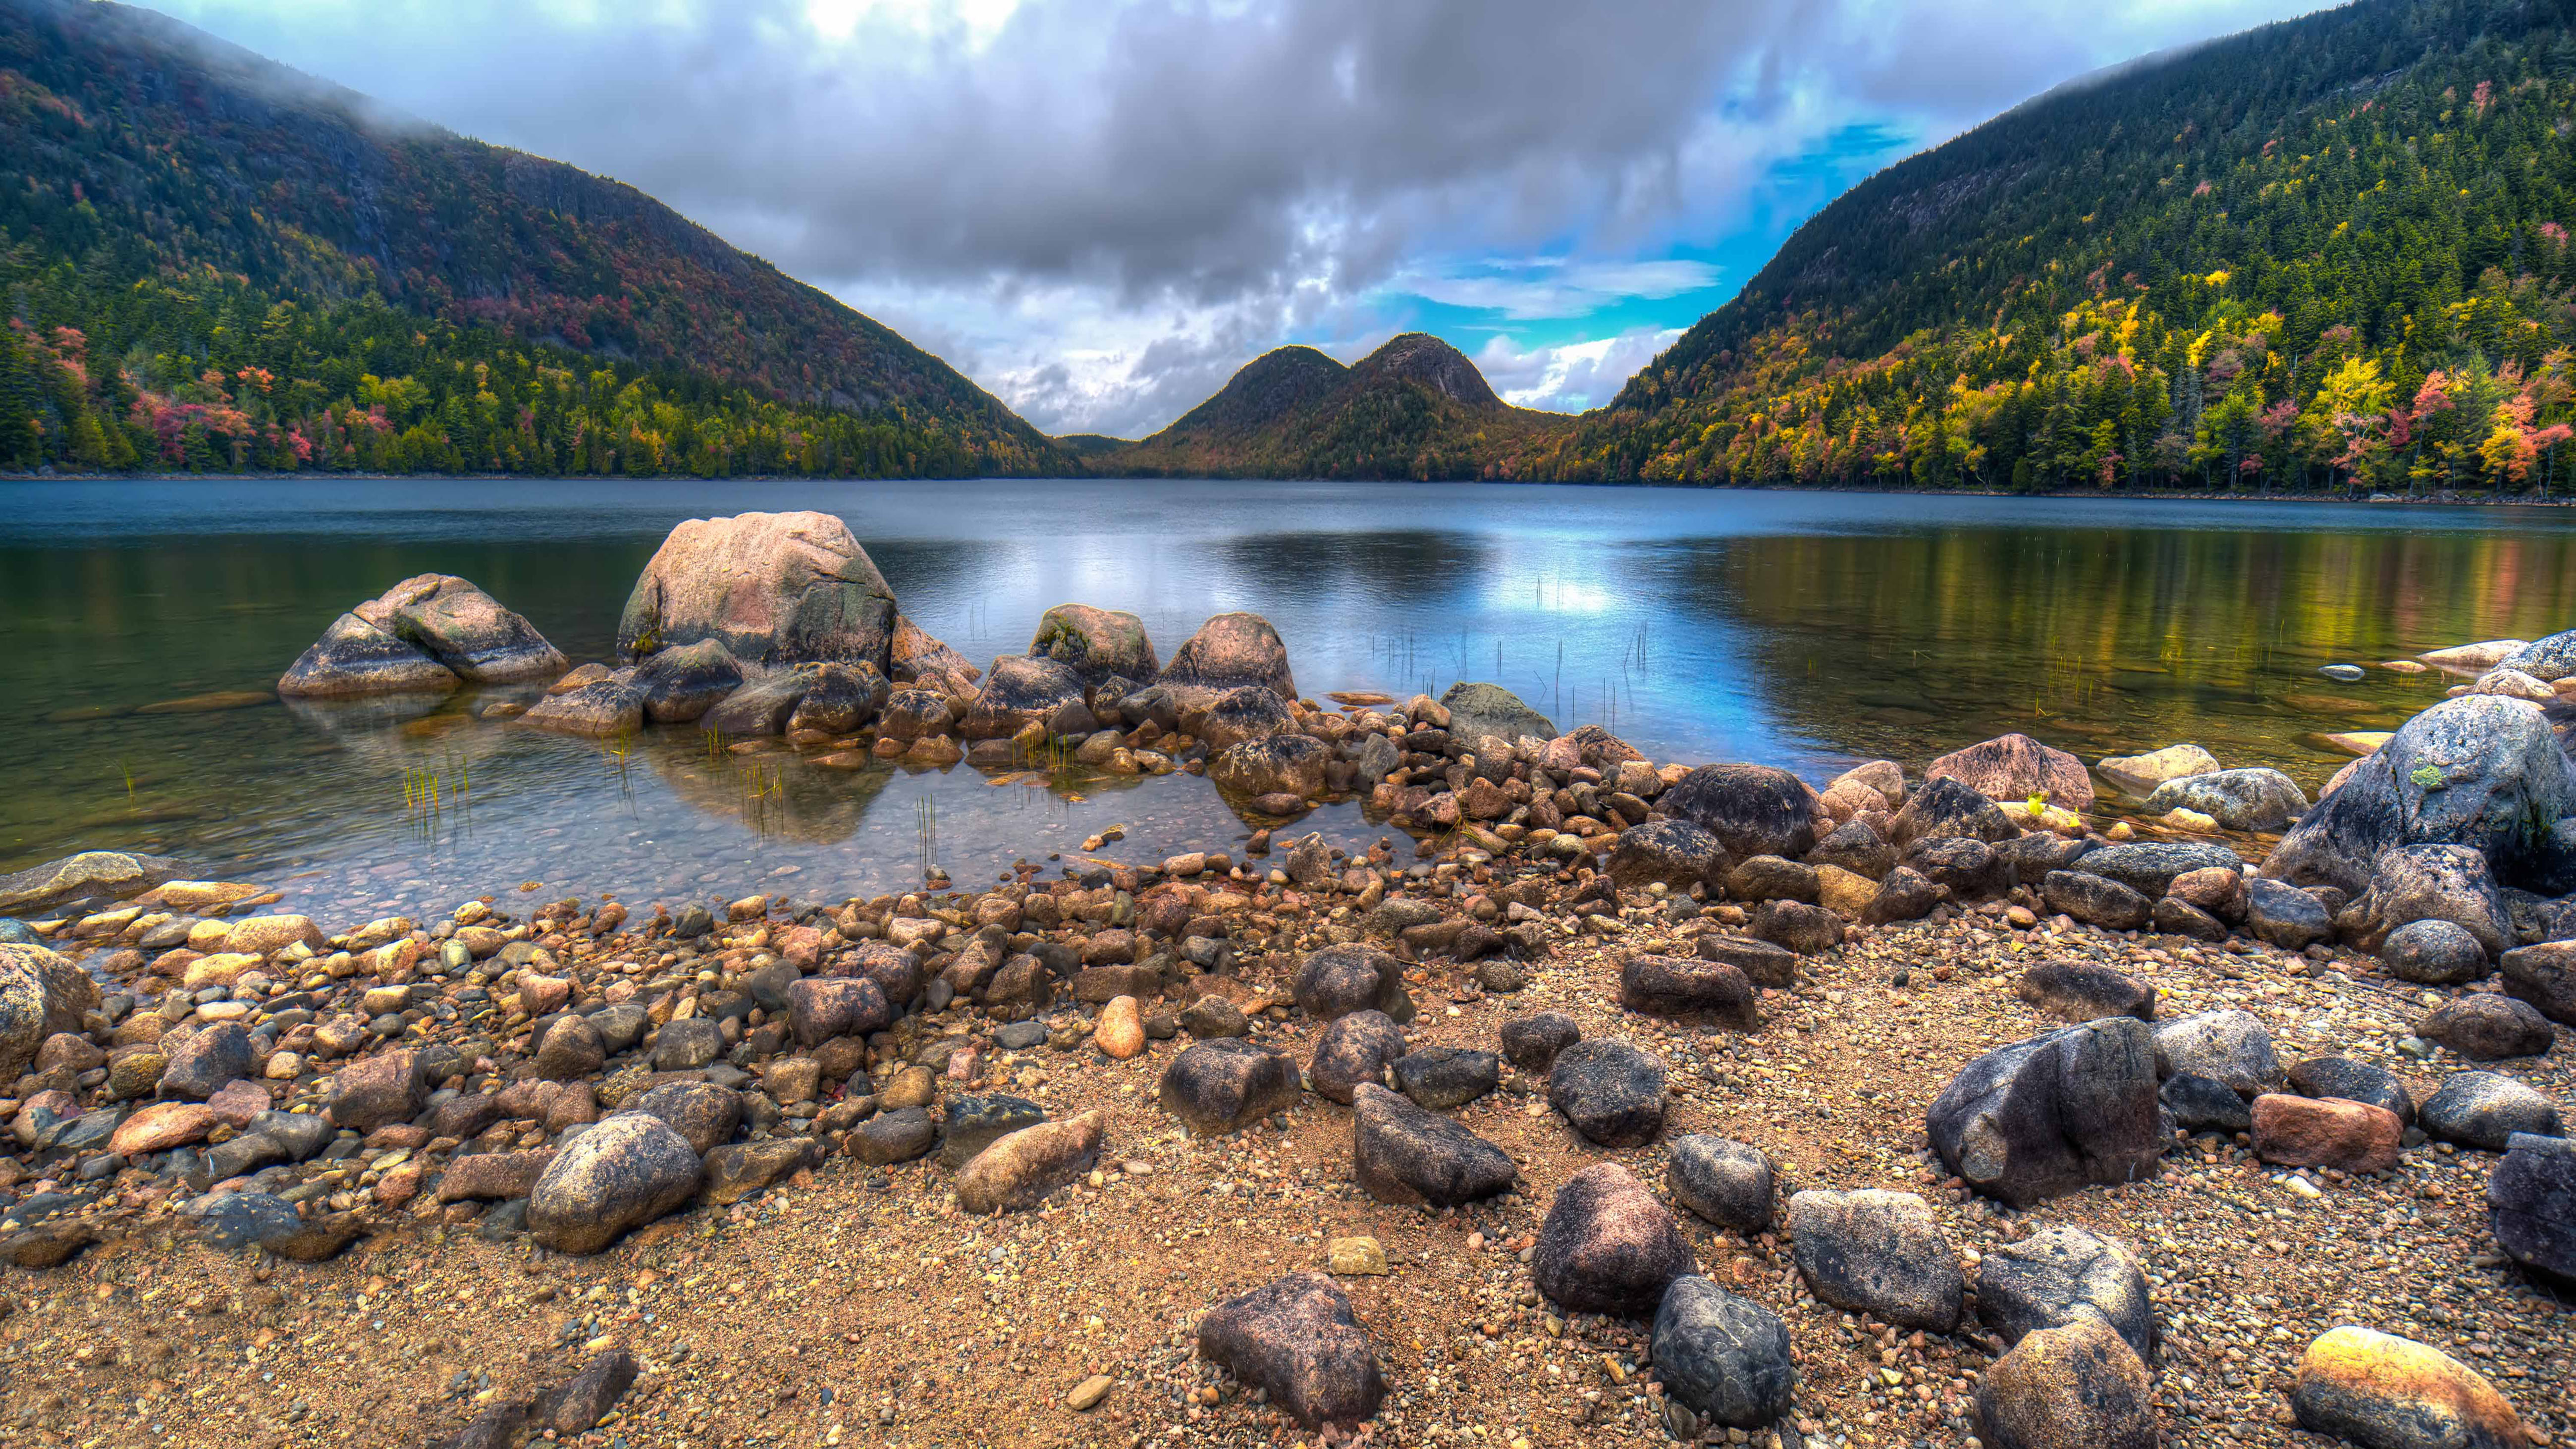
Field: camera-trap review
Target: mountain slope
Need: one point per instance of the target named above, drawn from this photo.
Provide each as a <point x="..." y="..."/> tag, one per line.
<point x="2325" y="251"/>
<point x="1415" y="408"/>
<point x="136" y="150"/>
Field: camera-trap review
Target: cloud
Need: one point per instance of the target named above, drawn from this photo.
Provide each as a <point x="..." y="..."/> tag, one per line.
<point x="1573" y="376"/>
<point x="1085" y="202"/>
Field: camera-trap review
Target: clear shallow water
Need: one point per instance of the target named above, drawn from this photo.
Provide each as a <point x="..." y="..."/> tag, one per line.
<point x="1807" y="630"/>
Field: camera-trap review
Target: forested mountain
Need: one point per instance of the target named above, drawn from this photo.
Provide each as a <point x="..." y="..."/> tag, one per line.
<point x="1415" y="408"/>
<point x="2327" y="252"/>
<point x="210" y="261"/>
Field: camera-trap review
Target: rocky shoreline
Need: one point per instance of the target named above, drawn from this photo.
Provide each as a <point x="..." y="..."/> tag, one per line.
<point x="1606" y="1101"/>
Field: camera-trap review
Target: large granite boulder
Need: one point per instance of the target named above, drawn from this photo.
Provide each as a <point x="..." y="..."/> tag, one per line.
<point x="464" y="629"/>
<point x="41" y="993"/>
<point x="1229" y="651"/>
<point x="2486" y="1109"/>
<point x="2481" y="771"/>
<point x="2250" y="799"/>
<point x="773" y="588"/>
<point x="1096" y="644"/>
<point x="2411" y="883"/>
<point x="2016" y="767"/>
<point x="1751" y="809"/>
<point x="2150" y="867"/>
<point x="618" y="1174"/>
<point x="354" y="657"/>
<point x="2060" y="1111"/>
<point x="2231" y="1047"/>
<point x="1403" y="1154"/>
<point x="1481" y="714"/>
<point x="1607" y="1246"/>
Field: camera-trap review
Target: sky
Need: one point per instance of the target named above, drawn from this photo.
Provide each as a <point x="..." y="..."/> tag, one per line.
<point x="1099" y="209"/>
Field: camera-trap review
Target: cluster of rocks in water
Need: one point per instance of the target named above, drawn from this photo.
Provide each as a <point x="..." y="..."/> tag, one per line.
<point x="176" y="1059"/>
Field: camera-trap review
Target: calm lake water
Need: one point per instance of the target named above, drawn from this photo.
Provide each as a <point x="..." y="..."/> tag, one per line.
<point x="1807" y="630"/>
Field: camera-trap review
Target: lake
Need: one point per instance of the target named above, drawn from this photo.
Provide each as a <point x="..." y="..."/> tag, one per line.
<point x="1809" y="630"/>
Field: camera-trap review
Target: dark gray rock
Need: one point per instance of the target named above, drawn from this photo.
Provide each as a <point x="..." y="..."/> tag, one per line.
<point x="678" y="686"/>
<point x="1854" y="847"/>
<point x="2081" y="991"/>
<point x="1224" y="1085"/>
<point x="2547" y="660"/>
<point x="968" y="1125"/>
<point x="2198" y="1104"/>
<point x="2285" y="915"/>
<point x="1726" y="1357"/>
<point x="842" y="698"/>
<point x="1356" y="1048"/>
<point x="2545" y="976"/>
<point x="1533" y="1042"/>
<point x="2174" y="916"/>
<point x="1612" y="1091"/>
<point x="2059" y="1274"/>
<point x="1607" y="1246"/>
<point x="1796" y="926"/>
<point x="762" y="704"/>
<point x="2231" y="1047"/>
<point x="1726" y="1183"/>
<point x="2436" y="953"/>
<point x="1951" y="807"/>
<point x="1963" y="864"/>
<point x="2483" y="1109"/>
<point x="2531" y="1207"/>
<point x="203" y="1062"/>
<point x="1339" y="980"/>
<point x="2095" y="900"/>
<point x="1297" y="1340"/>
<point x="2149" y="866"/>
<point x="2488" y="1028"/>
<point x="1679" y="986"/>
<point x="892" y="1137"/>
<point x="2428" y="883"/>
<point x="703" y="1113"/>
<point x="1751" y="809"/>
<point x="1904" y="896"/>
<point x="1878" y="1252"/>
<point x="2063" y="1110"/>
<point x="2475" y="771"/>
<point x="1675" y="852"/>
<point x="1441" y="1078"/>
<point x="686" y="1045"/>
<point x="1763" y="963"/>
<point x="1401" y="1153"/>
<point x="2354" y="1082"/>
<point x="354" y="657"/>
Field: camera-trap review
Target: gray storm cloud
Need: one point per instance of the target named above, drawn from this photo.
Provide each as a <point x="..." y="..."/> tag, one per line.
<point x="1235" y="172"/>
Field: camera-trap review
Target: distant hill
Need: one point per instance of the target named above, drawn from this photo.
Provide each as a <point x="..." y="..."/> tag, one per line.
<point x="1415" y="408"/>
<point x="1092" y="445"/>
<point x="214" y="261"/>
<point x="2325" y="252"/>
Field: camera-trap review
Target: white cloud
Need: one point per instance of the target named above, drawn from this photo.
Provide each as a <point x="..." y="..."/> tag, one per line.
<point x="1574" y="376"/>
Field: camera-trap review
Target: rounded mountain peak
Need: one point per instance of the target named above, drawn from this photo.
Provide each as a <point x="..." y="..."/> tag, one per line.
<point x="1425" y="359"/>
